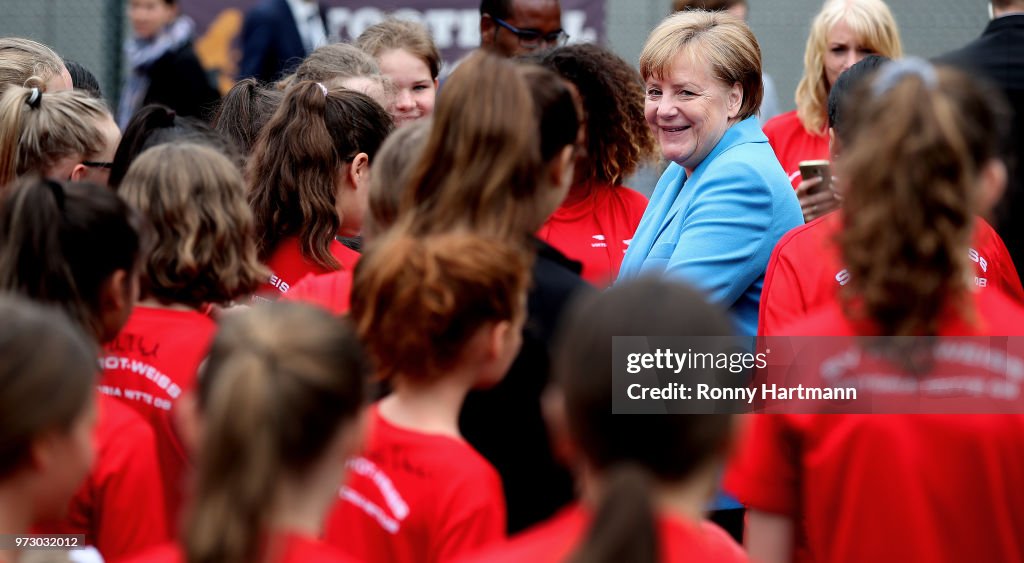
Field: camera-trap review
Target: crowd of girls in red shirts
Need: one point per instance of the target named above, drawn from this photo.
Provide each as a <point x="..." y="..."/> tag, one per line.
<point x="300" y="333"/>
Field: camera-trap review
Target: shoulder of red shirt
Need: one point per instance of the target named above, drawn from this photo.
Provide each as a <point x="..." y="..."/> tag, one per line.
<point x="472" y="469"/>
<point x="121" y="503"/>
<point x="781" y="124"/>
<point x="555" y="540"/>
<point x="288" y="265"/>
<point x="996" y="315"/>
<point x="330" y="291"/>
<point x="297" y="549"/>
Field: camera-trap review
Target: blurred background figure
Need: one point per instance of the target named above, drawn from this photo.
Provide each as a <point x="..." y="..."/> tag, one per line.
<point x="843" y="33"/>
<point x="998" y="55"/>
<point x="278" y="34"/>
<point x="739" y="8"/>
<point x="47" y="414"/>
<point x="164" y="66"/>
<point x="515" y="27"/>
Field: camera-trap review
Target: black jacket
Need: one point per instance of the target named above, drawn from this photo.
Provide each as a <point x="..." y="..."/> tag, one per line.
<point x="505" y="423"/>
<point x="178" y="81"/>
<point x="271" y="43"/>
<point x="998" y="55"/>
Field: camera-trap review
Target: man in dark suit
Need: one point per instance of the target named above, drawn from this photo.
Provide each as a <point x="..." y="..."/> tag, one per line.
<point x="278" y="34"/>
<point x="998" y="55"/>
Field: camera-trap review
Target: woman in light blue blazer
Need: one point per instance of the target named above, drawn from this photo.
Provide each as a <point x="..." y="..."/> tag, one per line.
<point x="725" y="201"/>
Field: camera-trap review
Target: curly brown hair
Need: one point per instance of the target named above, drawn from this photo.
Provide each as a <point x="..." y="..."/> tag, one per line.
<point x="618" y="139"/>
<point x="206" y="238"/>
<point x="913" y="165"/>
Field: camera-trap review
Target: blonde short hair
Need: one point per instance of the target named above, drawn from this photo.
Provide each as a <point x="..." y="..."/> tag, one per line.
<point x="718" y="39"/>
<point x="873" y="24"/>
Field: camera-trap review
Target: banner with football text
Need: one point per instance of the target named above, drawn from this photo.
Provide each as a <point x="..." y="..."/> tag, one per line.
<point x="454" y="24"/>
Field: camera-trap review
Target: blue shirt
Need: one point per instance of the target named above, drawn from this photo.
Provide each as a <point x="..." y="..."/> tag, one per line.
<point x="717" y="228"/>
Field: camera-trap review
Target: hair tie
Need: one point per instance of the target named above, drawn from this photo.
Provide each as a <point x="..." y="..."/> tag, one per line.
<point x="322" y="88"/>
<point x="34" y="98"/>
<point x="58" y="193"/>
<point x="894" y="71"/>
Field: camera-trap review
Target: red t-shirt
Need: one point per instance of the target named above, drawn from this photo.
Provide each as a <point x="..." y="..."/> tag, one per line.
<point x="295" y="549"/>
<point x="892" y="487"/>
<point x="805" y="271"/>
<point x="416" y="497"/>
<point x="596" y="230"/>
<point x="120" y="507"/>
<point x="331" y="291"/>
<point x="793" y="144"/>
<point x="556" y="539"/>
<point x="149" y="366"/>
<point x="288" y="265"/>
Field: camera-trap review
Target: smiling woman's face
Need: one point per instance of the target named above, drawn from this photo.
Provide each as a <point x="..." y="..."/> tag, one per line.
<point x="688" y="110"/>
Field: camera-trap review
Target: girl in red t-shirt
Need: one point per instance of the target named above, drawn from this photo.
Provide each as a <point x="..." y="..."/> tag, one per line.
<point x="596" y="222"/>
<point x="47" y="414"/>
<point x="278" y="412"/>
<point x="77" y="246"/>
<point x="645" y="480"/>
<point x="923" y="161"/>
<point x="204" y="255"/>
<point x="308" y="177"/>
<point x="332" y="290"/>
<point x="439" y="315"/>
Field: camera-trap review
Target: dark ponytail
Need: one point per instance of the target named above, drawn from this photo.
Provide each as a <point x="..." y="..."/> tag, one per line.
<point x="629" y="453"/>
<point x="294" y="165"/>
<point x="625" y="525"/>
<point x="155" y="125"/>
<point x="59" y="243"/>
<point x="244" y="111"/>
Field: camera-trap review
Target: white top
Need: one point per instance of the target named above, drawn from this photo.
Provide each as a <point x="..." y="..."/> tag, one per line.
<point x="310" y="26"/>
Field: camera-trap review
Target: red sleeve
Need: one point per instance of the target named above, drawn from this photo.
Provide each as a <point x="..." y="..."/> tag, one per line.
<point x="781" y="301"/>
<point x="763" y="473"/>
<point x="127" y="491"/>
<point x="477" y="518"/>
<point x="330" y="291"/>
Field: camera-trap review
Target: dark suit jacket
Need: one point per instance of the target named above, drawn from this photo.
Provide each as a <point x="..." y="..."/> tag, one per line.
<point x="178" y="81"/>
<point x="999" y="56"/>
<point x="271" y="44"/>
<point x="505" y="423"/>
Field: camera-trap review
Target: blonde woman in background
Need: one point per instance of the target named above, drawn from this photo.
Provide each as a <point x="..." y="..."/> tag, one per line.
<point x="843" y="33"/>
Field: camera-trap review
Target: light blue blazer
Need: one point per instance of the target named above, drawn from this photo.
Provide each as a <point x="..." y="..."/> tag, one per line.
<point x="717" y="228"/>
